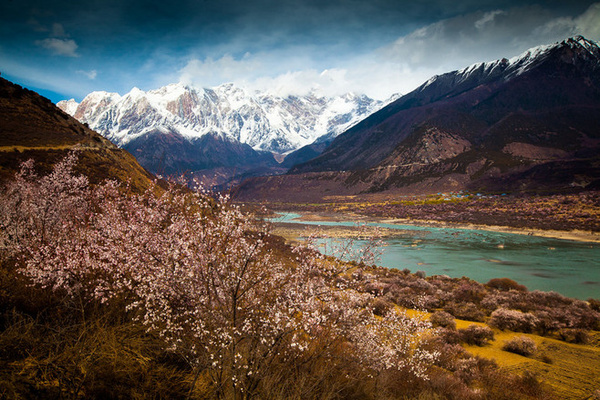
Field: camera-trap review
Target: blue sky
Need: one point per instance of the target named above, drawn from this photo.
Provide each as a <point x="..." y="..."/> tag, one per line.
<point x="66" y="49"/>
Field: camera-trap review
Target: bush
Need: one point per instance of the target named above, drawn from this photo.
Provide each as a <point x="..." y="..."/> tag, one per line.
<point x="469" y="292"/>
<point x="594" y="304"/>
<point x="513" y="320"/>
<point x="468" y="311"/>
<point x="506" y="284"/>
<point x="381" y="306"/>
<point x="449" y="336"/>
<point x="547" y="323"/>
<point x="520" y="345"/>
<point x="442" y="319"/>
<point x="476" y="335"/>
<point x="578" y="336"/>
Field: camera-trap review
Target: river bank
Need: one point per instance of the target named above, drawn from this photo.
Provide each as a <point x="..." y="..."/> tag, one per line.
<point x="538" y="260"/>
<point x="287" y="230"/>
<point x="567" y="216"/>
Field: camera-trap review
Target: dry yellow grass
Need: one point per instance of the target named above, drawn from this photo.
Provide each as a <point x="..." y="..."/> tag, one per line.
<point x="23" y="148"/>
<point x="572" y="370"/>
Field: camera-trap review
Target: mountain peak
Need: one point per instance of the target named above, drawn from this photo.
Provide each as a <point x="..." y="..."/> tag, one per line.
<point x="581" y="41"/>
<point x="526" y="122"/>
<point x="264" y="121"/>
<point x="505" y="69"/>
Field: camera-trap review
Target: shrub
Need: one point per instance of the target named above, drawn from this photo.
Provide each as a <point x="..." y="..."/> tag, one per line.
<point x="477" y="335"/>
<point x="547" y="323"/>
<point x="381" y="306"/>
<point x="506" y="284"/>
<point x="428" y="302"/>
<point x="513" y="320"/>
<point x="442" y="319"/>
<point x="594" y="304"/>
<point x="450" y="336"/>
<point x="578" y="336"/>
<point x="520" y="345"/>
<point x="468" y="311"/>
<point x="530" y="385"/>
<point x="468" y="292"/>
<point x="580" y="315"/>
<point x="494" y="300"/>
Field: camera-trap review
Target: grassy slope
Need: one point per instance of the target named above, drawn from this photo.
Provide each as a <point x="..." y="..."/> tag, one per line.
<point x="572" y="371"/>
<point x="32" y="127"/>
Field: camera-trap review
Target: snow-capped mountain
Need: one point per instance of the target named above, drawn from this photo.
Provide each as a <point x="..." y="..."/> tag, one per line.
<point x="576" y="50"/>
<point x="259" y="119"/>
<point x="525" y="123"/>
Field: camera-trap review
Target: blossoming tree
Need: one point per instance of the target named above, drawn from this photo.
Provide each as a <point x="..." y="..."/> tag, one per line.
<point x="199" y="273"/>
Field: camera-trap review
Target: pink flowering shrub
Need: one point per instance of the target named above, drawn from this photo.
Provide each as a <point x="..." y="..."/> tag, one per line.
<point x="476" y="335"/>
<point x="520" y="345"/>
<point x="443" y="319"/>
<point x="513" y="320"/>
<point x="197" y="272"/>
<point x="36" y="210"/>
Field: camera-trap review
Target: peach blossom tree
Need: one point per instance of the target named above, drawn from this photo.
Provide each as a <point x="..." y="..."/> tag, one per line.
<point x="197" y="271"/>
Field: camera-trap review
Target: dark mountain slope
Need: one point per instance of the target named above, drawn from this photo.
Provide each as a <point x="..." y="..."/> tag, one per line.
<point x="483" y="126"/>
<point x="171" y="154"/>
<point x="32" y="127"/>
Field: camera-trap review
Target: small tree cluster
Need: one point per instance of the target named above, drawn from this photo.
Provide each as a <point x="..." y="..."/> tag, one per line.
<point x="476" y="335"/>
<point x="442" y="319"/>
<point x="520" y="345"/>
<point x="502" y="302"/>
<point x="513" y="320"/>
<point x="571" y="211"/>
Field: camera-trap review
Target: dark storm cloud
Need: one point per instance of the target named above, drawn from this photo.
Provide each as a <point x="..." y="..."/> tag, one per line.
<point x="184" y="24"/>
<point x="79" y="46"/>
<point x="219" y="20"/>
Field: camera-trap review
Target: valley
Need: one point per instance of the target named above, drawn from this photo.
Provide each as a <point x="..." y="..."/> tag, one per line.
<point x="569" y="267"/>
<point x="116" y="284"/>
<point x="573" y="216"/>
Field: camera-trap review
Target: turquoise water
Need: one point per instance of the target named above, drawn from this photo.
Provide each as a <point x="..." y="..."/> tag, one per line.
<point x="568" y="267"/>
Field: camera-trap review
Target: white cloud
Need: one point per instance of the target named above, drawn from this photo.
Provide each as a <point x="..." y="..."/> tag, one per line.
<point x="59" y="47"/>
<point x="463" y="40"/>
<point x="588" y="24"/>
<point x="274" y="72"/>
<point x="210" y="72"/>
<point x="89" y="74"/>
<point x="487" y="18"/>
<point x="329" y="82"/>
<point x="402" y="65"/>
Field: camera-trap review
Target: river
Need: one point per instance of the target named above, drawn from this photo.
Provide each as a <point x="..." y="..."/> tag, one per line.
<point x="571" y="268"/>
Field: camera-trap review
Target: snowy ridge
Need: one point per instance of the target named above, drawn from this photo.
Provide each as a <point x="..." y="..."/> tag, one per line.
<point x="515" y="66"/>
<point x="259" y="119"/>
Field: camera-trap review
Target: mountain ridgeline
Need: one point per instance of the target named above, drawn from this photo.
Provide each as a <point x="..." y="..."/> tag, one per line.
<point x="31" y="127"/>
<point x="223" y="131"/>
<point x="531" y="123"/>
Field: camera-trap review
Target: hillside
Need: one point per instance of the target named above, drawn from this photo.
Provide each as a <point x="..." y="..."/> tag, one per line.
<point x="104" y="295"/>
<point x="525" y="124"/>
<point x="32" y="127"/>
